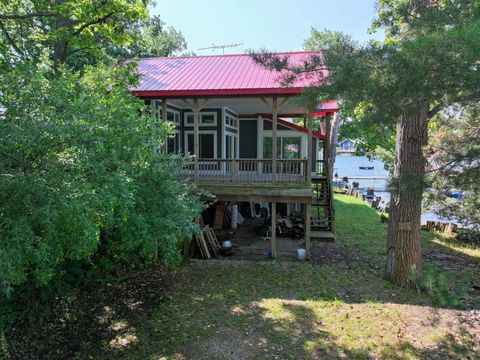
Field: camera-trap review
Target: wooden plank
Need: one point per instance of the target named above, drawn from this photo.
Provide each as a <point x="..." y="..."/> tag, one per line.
<point x="202" y="246"/>
<point x="308" y="210"/>
<point x="214" y="237"/>
<point x="207" y="236"/>
<point x="218" y="219"/>
<point x="274" y="228"/>
<point x="322" y="235"/>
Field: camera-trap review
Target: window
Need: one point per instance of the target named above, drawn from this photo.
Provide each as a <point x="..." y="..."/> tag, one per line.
<point x="288" y="147"/>
<point x="207" y="118"/>
<point x="207" y="144"/>
<point x="173" y="143"/>
<point x="231" y="121"/>
<point x="291" y="147"/>
<point x="231" y="146"/>
<point x="172" y="115"/>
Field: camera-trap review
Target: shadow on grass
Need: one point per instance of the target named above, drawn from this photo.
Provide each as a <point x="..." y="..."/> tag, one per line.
<point x="242" y="310"/>
<point x="451" y="267"/>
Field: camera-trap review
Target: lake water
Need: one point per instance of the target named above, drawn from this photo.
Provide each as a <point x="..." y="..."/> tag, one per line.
<point x="349" y="166"/>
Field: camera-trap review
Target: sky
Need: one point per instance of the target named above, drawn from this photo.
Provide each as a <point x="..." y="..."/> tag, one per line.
<point x="276" y="25"/>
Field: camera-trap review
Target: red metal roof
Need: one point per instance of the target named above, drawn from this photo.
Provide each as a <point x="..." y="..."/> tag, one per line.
<point x="317" y="134"/>
<point x="219" y="75"/>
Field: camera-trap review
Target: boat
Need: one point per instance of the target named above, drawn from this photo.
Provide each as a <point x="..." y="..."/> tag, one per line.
<point x="365" y="167"/>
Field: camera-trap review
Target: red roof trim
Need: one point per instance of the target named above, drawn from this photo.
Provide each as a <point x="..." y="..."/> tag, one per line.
<point x="293" y="126"/>
<point x="284" y="53"/>
<point x="222" y="92"/>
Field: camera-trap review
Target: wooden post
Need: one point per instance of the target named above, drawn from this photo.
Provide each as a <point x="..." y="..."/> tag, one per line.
<point x="274" y="138"/>
<point x="274" y="228"/>
<point x="328" y="129"/>
<point x="196" y="142"/>
<point x="308" y="211"/>
<point x="165" y="118"/>
<point x="309" y="147"/>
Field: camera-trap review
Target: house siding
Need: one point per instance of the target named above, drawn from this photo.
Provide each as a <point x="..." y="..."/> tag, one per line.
<point x="248" y="139"/>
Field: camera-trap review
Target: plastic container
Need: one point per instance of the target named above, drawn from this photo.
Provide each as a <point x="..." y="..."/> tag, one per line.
<point x="301" y="254"/>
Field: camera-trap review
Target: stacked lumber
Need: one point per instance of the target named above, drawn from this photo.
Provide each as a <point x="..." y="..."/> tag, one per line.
<point x="207" y="243"/>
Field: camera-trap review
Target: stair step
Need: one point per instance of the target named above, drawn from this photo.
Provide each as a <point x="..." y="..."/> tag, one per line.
<point x="322" y="235"/>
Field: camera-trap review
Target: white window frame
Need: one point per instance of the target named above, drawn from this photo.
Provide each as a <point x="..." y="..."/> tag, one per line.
<point x="214" y="113"/>
<point x="176" y="114"/>
<point x="235" y="144"/>
<point x="288" y="133"/>
<point x="200" y="132"/>
<point x="234" y="119"/>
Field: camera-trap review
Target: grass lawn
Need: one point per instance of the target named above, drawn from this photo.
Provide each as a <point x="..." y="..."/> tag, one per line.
<point x="342" y="309"/>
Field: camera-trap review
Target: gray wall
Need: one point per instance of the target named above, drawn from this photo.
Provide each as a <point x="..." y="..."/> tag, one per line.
<point x="248" y="139"/>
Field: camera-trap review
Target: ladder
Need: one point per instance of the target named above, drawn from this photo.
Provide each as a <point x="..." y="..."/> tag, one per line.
<point x="322" y="223"/>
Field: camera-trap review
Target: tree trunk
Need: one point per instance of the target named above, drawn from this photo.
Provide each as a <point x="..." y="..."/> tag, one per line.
<point x="404" y="253"/>
<point x="60" y="45"/>
<point x="334" y="136"/>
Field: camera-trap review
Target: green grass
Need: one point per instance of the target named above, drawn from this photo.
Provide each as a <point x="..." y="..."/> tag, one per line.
<point x="255" y="310"/>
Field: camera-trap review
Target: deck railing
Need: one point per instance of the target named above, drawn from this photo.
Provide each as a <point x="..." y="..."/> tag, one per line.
<point x="248" y="171"/>
<point x="322" y="168"/>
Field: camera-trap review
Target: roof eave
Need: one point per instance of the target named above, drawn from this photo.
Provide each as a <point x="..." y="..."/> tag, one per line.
<point x="287" y="91"/>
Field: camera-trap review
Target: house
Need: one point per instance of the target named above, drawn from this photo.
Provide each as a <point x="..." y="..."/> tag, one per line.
<point x="346" y="146"/>
<point x="232" y="115"/>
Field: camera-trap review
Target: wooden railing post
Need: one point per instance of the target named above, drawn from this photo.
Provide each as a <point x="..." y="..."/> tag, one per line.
<point x="196" y="142"/>
<point x="309" y="147"/>
<point x="274" y="138"/>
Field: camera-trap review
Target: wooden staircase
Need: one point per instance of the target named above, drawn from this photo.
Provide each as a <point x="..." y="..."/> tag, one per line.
<point x="322" y="213"/>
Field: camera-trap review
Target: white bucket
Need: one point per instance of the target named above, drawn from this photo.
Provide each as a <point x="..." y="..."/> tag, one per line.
<point x="301" y="254"/>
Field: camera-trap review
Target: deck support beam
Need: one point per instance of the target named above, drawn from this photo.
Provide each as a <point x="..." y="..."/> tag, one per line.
<point x="328" y="130"/>
<point x="196" y="138"/>
<point x="273" y="216"/>
<point x="307" y="214"/>
<point x="308" y="171"/>
<point x="274" y="138"/>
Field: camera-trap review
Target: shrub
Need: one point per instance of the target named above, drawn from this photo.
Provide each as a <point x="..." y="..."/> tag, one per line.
<point x="83" y="189"/>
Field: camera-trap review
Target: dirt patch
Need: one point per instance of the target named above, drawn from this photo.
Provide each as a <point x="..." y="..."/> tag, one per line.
<point x="448" y="262"/>
<point x="326" y="253"/>
<point x="104" y="315"/>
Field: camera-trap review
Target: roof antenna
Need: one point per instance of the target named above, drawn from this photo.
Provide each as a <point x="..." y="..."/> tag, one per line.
<point x="223" y="47"/>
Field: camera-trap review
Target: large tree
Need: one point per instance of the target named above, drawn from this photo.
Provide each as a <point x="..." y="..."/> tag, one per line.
<point x="84" y="190"/>
<point x="428" y="61"/>
<point x="71" y="32"/>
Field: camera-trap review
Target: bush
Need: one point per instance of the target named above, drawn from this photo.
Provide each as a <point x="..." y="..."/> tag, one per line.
<point x="83" y="189"/>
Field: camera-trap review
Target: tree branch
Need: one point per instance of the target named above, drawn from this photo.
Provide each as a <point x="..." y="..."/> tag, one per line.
<point x="26" y="16"/>
<point x="93" y="22"/>
<point x="9" y="39"/>
<point x="433" y="111"/>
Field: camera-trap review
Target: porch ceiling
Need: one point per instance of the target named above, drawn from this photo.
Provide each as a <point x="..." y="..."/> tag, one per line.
<point x="247" y="106"/>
